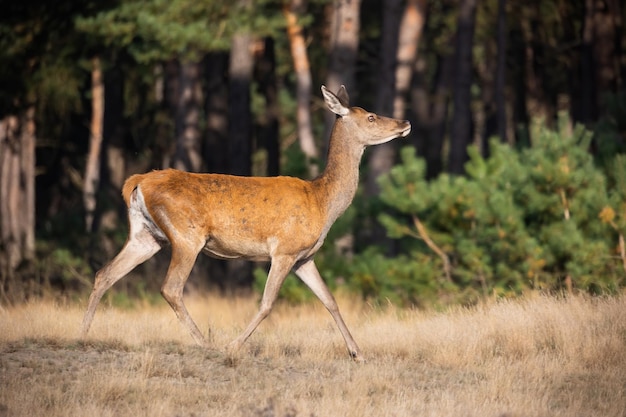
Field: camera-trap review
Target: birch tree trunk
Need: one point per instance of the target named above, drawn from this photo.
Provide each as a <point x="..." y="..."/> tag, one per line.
<point x="17" y="191"/>
<point x="293" y="11"/>
<point x="92" y="168"/>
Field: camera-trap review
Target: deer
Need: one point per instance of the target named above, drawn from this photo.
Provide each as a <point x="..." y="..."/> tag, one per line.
<point x="281" y="219"/>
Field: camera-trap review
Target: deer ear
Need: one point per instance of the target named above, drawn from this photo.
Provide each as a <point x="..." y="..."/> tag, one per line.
<point x="342" y="95"/>
<point x="334" y="103"/>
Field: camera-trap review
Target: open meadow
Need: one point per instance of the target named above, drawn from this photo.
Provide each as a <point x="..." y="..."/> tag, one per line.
<point x="538" y="356"/>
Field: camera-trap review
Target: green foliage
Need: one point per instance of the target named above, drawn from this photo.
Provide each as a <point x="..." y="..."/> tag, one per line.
<point x="404" y="280"/>
<point x="39" y="49"/>
<point x="60" y="267"/>
<point x="160" y="29"/>
<point x="519" y="220"/>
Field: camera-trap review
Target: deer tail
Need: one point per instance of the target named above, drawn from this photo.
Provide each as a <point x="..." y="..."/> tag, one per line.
<point x="129" y="186"/>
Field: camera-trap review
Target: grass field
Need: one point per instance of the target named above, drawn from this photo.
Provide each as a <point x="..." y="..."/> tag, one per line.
<point x="538" y="356"/>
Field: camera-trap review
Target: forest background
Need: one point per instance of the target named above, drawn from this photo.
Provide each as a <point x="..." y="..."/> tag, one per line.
<point x="513" y="178"/>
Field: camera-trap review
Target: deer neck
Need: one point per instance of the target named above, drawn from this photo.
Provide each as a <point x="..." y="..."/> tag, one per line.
<point x="338" y="184"/>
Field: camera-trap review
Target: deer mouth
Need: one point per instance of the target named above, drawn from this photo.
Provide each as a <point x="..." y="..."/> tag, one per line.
<point x="406" y="131"/>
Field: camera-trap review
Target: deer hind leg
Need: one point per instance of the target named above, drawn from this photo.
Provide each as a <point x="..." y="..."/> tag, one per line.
<point x="183" y="259"/>
<point x="309" y="274"/>
<point x="139" y="247"/>
<point x="279" y="269"/>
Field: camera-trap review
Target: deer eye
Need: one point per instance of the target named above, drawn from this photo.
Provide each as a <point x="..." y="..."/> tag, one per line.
<point x="371" y="118"/>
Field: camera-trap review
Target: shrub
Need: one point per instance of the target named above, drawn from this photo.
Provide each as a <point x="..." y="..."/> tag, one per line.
<point x="537" y="218"/>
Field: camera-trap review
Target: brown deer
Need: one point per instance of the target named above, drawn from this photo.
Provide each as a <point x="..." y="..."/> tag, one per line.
<point x="283" y="219"/>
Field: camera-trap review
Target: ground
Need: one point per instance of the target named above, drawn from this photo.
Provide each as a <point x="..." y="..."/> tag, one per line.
<point x="531" y="357"/>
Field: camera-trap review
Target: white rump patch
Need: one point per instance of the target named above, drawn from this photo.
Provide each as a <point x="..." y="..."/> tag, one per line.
<point x="140" y="219"/>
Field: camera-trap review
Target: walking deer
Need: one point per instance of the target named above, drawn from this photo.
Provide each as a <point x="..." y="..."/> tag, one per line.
<point x="281" y="219"/>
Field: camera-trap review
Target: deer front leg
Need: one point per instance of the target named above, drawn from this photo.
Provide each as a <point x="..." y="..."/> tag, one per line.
<point x="280" y="267"/>
<point x="309" y="274"/>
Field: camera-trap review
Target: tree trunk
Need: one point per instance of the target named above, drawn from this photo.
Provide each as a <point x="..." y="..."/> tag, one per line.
<point x="293" y="11"/>
<point x="485" y="123"/>
<point x="587" y="70"/>
<point x="17" y="191"/>
<point x="410" y="32"/>
<point x="92" y="169"/>
<point x="113" y="132"/>
<point x="344" y="45"/>
<point x="216" y="153"/>
<point x="269" y="130"/>
<point x="518" y="80"/>
<point x="500" y="93"/>
<point x="169" y="105"/>
<point x="400" y="41"/>
<point x="389" y="59"/>
<point x="618" y="21"/>
<point x="240" y="118"/>
<point x="605" y="45"/>
<point x="537" y="104"/>
<point x="439" y="116"/>
<point x="461" y="131"/>
<point x="188" y="154"/>
<point x="491" y="118"/>
<point x="111" y="215"/>
<point x="382" y="157"/>
<point x="431" y="110"/>
<point x="401" y="50"/>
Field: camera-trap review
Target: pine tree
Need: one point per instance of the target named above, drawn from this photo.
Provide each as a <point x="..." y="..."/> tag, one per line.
<point x="534" y="218"/>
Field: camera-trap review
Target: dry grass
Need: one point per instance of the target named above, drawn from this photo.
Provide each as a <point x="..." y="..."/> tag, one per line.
<point x="534" y="357"/>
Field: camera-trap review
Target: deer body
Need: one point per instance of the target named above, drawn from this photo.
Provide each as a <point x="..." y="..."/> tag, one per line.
<point x="250" y="231"/>
<point x="281" y="219"/>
